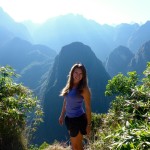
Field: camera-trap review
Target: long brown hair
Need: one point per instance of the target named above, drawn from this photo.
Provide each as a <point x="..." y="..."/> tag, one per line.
<point x="82" y="84"/>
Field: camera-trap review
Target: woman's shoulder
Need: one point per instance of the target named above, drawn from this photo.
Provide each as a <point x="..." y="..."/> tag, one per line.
<point x="86" y="88"/>
<point x="86" y="91"/>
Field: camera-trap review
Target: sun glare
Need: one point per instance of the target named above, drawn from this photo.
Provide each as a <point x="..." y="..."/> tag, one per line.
<point x="102" y="11"/>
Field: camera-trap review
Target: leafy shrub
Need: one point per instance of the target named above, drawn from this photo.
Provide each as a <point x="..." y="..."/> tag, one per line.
<point x="17" y="104"/>
<point x="127" y="124"/>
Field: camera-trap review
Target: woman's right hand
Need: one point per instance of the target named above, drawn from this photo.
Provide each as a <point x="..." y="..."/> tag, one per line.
<point x="61" y="120"/>
<point x="88" y="130"/>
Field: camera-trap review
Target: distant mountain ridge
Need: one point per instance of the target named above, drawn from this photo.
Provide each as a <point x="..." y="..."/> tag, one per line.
<point x="97" y="77"/>
<point x="24" y="57"/>
<point x="63" y="30"/>
<point x="139" y="37"/>
<point x="123" y="33"/>
<point x="59" y="31"/>
<point x="15" y="29"/>
<point x="122" y="60"/>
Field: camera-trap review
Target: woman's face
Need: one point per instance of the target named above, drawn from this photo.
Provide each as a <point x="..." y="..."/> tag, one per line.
<point x="77" y="75"/>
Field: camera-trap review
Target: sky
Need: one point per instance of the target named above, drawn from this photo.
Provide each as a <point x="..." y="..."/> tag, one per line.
<point x="102" y="11"/>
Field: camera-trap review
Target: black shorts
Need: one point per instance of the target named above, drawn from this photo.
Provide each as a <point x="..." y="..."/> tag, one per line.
<point x="76" y="124"/>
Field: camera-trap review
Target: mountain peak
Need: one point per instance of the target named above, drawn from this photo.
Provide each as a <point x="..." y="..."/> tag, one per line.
<point x="97" y="77"/>
<point x="140" y="59"/>
<point x="5" y="18"/>
<point x="118" y="60"/>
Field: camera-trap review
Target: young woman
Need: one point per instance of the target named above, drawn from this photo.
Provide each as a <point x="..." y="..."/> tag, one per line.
<point x="76" y="91"/>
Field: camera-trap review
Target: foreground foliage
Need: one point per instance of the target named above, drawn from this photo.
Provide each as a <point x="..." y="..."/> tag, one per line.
<point x="17" y="103"/>
<point x="127" y="124"/>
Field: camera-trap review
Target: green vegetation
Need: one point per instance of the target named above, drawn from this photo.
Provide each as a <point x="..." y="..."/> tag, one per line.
<point x="127" y="124"/>
<point x="20" y="112"/>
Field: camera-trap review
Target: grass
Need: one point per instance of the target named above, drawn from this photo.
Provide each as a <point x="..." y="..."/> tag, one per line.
<point x="57" y="147"/>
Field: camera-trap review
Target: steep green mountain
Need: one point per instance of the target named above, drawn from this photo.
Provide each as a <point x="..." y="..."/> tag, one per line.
<point x="139" y="37"/>
<point x="52" y="104"/>
<point x="140" y="59"/>
<point x="12" y="27"/>
<point x="118" y="61"/>
<point x="30" y="61"/>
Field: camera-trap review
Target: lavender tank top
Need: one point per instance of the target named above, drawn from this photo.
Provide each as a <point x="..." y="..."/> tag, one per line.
<point x="74" y="104"/>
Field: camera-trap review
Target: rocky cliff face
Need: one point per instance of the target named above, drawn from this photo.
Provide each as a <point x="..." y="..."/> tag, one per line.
<point x="118" y="60"/>
<point x="139" y="37"/>
<point x="122" y="60"/>
<point x="97" y="76"/>
<point x="140" y="59"/>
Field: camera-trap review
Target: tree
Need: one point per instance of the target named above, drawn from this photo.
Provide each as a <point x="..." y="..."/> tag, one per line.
<point x="20" y="111"/>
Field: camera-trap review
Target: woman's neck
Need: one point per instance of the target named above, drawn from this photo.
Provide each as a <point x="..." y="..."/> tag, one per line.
<point x="75" y="86"/>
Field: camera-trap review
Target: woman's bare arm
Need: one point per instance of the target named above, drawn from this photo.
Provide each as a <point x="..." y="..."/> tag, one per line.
<point x="61" y="118"/>
<point x="87" y="99"/>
